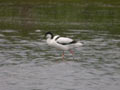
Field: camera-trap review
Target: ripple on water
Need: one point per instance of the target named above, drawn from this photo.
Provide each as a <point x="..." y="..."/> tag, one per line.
<point x="29" y="64"/>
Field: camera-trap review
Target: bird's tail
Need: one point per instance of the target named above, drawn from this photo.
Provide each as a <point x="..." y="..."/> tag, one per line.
<point x="78" y="44"/>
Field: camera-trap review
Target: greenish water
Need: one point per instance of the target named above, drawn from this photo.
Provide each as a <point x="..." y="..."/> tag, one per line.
<point x="26" y="61"/>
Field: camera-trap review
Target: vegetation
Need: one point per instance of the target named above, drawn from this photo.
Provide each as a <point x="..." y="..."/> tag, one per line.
<point x="52" y="14"/>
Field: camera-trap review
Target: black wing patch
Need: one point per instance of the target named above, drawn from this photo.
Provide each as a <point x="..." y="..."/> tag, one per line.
<point x="68" y="43"/>
<point x="63" y="43"/>
<point x="57" y="38"/>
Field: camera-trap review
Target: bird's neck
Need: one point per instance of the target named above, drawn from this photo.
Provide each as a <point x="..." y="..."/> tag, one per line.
<point x="49" y="40"/>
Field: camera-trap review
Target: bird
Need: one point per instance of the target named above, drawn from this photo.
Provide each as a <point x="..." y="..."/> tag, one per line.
<point x="62" y="43"/>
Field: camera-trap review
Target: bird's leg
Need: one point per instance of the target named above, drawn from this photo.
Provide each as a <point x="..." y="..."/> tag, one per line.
<point x="72" y="53"/>
<point x="63" y="55"/>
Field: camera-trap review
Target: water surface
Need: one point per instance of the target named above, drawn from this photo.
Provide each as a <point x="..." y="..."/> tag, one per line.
<point x="28" y="63"/>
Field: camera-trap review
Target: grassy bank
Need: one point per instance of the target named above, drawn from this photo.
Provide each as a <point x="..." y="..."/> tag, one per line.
<point x="58" y="14"/>
<point x="117" y="2"/>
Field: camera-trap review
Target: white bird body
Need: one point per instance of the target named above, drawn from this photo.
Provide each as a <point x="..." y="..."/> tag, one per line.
<point x="54" y="43"/>
<point x="62" y="43"/>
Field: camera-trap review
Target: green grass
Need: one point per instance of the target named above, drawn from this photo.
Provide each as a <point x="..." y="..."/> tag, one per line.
<point x="63" y="1"/>
<point x="60" y="14"/>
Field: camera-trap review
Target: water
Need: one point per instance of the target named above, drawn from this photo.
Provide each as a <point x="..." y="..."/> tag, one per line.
<point x="27" y="63"/>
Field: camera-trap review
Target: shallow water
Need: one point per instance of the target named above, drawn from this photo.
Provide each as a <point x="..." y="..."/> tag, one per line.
<point x="28" y="63"/>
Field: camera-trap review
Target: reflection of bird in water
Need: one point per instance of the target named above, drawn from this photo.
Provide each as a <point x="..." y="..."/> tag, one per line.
<point x="62" y="43"/>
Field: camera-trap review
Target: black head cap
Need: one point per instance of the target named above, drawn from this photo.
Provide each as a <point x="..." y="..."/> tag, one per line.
<point x="49" y="33"/>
